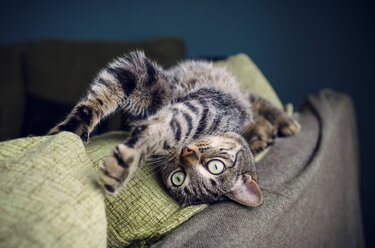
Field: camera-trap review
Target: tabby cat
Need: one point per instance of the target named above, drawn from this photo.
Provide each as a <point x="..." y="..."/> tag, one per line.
<point x="194" y="115"/>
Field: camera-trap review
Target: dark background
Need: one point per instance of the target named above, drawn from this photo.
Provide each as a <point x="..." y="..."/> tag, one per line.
<point x="300" y="46"/>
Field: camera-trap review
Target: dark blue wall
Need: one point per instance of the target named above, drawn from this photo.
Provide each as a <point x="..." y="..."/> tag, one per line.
<point x="301" y="47"/>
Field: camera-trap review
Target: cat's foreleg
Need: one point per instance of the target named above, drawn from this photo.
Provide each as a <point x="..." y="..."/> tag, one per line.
<point x="172" y="127"/>
<point x="132" y="83"/>
<point x="102" y="98"/>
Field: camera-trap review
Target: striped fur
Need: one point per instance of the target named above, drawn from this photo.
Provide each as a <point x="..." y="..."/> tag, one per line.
<point x="172" y="109"/>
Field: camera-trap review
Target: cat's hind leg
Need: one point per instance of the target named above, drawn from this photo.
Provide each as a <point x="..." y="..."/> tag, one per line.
<point x="132" y="83"/>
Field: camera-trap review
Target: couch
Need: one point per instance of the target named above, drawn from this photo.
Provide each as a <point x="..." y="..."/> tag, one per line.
<point x="310" y="181"/>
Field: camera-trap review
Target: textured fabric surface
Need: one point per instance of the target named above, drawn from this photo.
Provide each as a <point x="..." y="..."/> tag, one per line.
<point x="48" y="194"/>
<point x="316" y="170"/>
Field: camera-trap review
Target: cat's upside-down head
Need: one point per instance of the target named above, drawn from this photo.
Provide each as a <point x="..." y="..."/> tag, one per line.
<point x="211" y="169"/>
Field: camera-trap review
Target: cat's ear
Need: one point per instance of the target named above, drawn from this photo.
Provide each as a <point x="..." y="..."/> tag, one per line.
<point x="247" y="192"/>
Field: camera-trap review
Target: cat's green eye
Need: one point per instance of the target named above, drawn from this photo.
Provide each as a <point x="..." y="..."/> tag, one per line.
<point x="215" y="167"/>
<point x="178" y="178"/>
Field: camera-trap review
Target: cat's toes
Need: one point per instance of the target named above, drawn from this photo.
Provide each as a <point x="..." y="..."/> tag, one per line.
<point x="260" y="143"/>
<point x="258" y="146"/>
<point x="110" y="173"/>
<point x="288" y="127"/>
<point x="116" y="170"/>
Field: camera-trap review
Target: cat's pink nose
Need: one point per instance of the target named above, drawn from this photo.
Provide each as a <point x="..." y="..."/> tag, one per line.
<point x="188" y="156"/>
<point x="186" y="151"/>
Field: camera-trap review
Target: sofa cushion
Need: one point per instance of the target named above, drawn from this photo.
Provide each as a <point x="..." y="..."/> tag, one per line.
<point x="48" y="194"/>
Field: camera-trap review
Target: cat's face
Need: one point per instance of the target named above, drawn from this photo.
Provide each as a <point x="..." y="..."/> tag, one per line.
<point x="212" y="169"/>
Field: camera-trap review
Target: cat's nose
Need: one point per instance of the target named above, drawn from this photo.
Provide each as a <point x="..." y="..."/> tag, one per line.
<point x="186" y="151"/>
<point x="188" y="156"/>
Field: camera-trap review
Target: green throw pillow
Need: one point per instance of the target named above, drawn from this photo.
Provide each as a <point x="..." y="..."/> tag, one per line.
<point x="49" y="196"/>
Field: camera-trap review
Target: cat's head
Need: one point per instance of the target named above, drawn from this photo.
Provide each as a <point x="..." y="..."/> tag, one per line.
<point x="212" y="169"/>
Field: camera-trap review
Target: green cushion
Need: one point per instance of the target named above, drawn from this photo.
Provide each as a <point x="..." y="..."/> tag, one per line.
<point x="49" y="198"/>
<point x="48" y="194"/>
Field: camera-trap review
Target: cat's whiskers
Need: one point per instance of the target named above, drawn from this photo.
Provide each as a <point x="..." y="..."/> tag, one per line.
<point x="158" y="163"/>
<point x="152" y="166"/>
<point x="150" y="162"/>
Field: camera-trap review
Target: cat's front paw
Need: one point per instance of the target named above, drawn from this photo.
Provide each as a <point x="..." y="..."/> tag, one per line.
<point x="259" y="142"/>
<point x="259" y="135"/>
<point x="286" y="126"/>
<point x="116" y="170"/>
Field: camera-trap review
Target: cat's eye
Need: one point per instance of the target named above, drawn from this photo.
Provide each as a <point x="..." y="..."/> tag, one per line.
<point x="215" y="167"/>
<point x="178" y="178"/>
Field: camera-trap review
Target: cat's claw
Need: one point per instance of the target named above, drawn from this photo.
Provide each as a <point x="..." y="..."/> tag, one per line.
<point x="115" y="171"/>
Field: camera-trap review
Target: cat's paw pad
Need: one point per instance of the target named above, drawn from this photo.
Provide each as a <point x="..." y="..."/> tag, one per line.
<point x="287" y="127"/>
<point x="116" y="170"/>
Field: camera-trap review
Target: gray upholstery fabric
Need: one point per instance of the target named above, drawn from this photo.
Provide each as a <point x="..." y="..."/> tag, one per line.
<point x="317" y="170"/>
